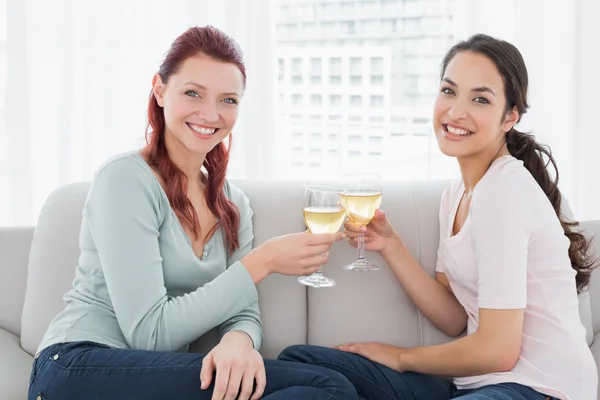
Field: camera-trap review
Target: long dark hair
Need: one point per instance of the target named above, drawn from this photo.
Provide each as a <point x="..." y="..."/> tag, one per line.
<point x="216" y="44"/>
<point x="523" y="146"/>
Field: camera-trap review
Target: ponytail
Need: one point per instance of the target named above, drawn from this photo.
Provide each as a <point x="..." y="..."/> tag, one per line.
<point x="524" y="147"/>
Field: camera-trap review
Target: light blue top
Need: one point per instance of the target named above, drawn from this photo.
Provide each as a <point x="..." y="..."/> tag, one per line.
<point x="139" y="284"/>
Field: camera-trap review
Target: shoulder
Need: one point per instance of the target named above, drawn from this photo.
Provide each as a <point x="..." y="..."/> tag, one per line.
<point x="239" y="198"/>
<point x="507" y="176"/>
<point x="509" y="191"/>
<point x="130" y="163"/>
<point x="450" y="192"/>
<point x="126" y="173"/>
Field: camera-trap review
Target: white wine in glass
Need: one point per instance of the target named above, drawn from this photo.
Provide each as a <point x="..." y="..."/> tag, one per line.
<point x="361" y="200"/>
<point x="323" y="213"/>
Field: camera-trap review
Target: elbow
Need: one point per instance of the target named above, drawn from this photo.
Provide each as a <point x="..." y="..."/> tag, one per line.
<point x="456" y="330"/>
<point x="507" y="362"/>
<point x="503" y="358"/>
<point x="456" y="327"/>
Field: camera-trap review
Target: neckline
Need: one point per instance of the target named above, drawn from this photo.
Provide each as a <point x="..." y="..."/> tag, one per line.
<point x="208" y="245"/>
<point x="458" y="198"/>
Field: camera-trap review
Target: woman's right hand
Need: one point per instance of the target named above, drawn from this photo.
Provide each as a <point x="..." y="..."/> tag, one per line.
<point x="293" y="254"/>
<point x="378" y="233"/>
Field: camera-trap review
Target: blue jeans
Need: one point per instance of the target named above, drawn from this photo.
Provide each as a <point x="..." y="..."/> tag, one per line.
<point x="86" y="370"/>
<point x="376" y="382"/>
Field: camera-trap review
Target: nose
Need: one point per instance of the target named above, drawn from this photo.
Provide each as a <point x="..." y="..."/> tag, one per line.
<point x="457" y="111"/>
<point x="208" y="112"/>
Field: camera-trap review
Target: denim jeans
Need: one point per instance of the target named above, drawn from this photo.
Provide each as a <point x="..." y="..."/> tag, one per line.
<point x="376" y="382"/>
<point x="86" y="370"/>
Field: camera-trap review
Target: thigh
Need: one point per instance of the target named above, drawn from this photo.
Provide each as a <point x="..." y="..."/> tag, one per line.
<point x="501" y="391"/>
<point x="371" y="380"/>
<point x="83" y="370"/>
<point x="86" y="370"/>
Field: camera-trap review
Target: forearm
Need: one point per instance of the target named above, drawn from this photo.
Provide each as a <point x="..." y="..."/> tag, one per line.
<point x="436" y="302"/>
<point x="247" y="321"/>
<point x="172" y="324"/>
<point x="468" y="356"/>
<point x="256" y="264"/>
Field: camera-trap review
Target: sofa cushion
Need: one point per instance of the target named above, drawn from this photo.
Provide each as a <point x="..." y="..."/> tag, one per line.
<point x="15" y="367"/>
<point x="367" y="306"/>
<point x="278" y="211"/>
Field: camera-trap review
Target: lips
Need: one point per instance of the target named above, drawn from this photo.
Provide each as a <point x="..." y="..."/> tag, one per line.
<point x="455" y="133"/>
<point x="202" y="130"/>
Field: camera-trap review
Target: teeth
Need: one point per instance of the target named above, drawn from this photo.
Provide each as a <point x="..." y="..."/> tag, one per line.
<point x="457" y="131"/>
<point x="203" y="131"/>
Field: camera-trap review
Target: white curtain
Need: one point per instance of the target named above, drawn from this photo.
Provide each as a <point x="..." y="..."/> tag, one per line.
<point x="559" y="41"/>
<point x="79" y="74"/>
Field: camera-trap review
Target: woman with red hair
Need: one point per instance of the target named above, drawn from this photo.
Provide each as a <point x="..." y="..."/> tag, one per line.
<point x="166" y="255"/>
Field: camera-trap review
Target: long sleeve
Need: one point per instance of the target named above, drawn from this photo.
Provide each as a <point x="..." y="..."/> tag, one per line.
<point x="124" y="212"/>
<point x="247" y="320"/>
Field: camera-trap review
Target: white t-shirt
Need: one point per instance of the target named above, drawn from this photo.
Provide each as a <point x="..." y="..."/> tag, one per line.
<point x="511" y="253"/>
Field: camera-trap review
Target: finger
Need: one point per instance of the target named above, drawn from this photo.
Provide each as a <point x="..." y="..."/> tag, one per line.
<point x="314" y="261"/>
<point x="324" y="238"/>
<point x="261" y="383"/>
<point x="379" y="219"/>
<point x="317" y="250"/>
<point x="351" y="226"/>
<point x="235" y="379"/>
<point x="206" y="372"/>
<point x="311" y="270"/>
<point x="221" y="382"/>
<point x="352" y="348"/>
<point x="246" y="386"/>
<point x="350" y="234"/>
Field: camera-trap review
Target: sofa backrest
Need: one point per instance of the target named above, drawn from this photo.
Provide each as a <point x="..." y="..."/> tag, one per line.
<point x="363" y="306"/>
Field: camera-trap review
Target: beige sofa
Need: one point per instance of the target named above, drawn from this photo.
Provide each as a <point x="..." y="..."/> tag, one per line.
<point x="37" y="267"/>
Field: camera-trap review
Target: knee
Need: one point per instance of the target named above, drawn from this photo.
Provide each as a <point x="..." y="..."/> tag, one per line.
<point x="298" y="353"/>
<point x="339" y="386"/>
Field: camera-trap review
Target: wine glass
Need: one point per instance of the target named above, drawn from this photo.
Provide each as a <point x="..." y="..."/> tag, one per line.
<point x="361" y="200"/>
<point x="322" y="214"/>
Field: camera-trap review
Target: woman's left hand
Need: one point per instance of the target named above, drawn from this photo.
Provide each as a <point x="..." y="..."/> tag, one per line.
<point x="238" y="365"/>
<point x="384" y="354"/>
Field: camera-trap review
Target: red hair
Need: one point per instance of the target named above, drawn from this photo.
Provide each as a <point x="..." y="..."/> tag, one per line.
<point x="215" y="44"/>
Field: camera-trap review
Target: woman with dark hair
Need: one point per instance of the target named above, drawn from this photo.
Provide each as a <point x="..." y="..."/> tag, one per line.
<point x="166" y="255"/>
<point x="509" y="264"/>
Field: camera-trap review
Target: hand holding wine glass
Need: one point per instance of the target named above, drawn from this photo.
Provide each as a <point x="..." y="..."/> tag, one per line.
<point x="361" y="200"/>
<point x="323" y="213"/>
<point x="377" y="233"/>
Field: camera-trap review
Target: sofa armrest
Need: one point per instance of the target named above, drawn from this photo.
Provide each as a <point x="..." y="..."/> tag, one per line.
<point x="591" y="229"/>
<point x="14" y="256"/>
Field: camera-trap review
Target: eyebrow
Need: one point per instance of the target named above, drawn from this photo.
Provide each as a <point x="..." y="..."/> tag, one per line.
<point x="480" y="89"/>
<point x="205" y="88"/>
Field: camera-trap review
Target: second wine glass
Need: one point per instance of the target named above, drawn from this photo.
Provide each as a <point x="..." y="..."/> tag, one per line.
<point x="322" y="214"/>
<point x="361" y="200"/>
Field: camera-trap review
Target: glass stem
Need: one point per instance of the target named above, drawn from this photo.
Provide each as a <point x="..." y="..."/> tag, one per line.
<point x="361" y="246"/>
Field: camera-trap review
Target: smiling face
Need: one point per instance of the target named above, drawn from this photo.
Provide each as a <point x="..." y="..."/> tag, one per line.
<point x="470" y="117"/>
<point x="200" y="104"/>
